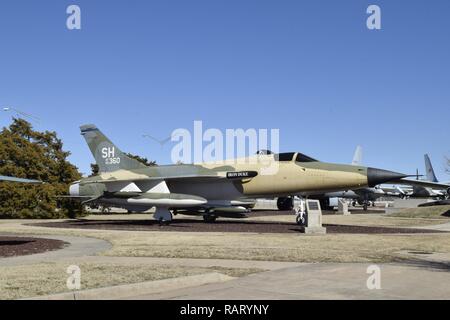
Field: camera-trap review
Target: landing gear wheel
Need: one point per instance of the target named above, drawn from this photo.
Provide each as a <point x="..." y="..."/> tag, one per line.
<point x="209" y="218"/>
<point x="285" y="204"/>
<point x="163" y="222"/>
<point x="163" y="215"/>
<point x="301" y="219"/>
<point x="365" y="206"/>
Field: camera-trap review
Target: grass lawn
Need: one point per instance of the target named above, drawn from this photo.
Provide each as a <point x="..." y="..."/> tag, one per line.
<point x="50" y="278"/>
<point x="434" y="212"/>
<point x="276" y="247"/>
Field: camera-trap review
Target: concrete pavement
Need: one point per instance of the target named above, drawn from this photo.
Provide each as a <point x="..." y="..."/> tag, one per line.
<point x="124" y="291"/>
<point x="438" y="227"/>
<point x="426" y="276"/>
<point x="326" y="281"/>
<point x="79" y="247"/>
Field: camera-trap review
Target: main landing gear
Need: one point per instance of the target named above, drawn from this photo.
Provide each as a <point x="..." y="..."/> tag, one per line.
<point x="209" y="218"/>
<point x="365" y="205"/>
<point x="163" y="215"/>
<point x="285" y="203"/>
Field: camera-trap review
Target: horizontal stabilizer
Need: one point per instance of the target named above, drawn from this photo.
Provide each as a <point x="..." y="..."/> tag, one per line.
<point x="19" y="180"/>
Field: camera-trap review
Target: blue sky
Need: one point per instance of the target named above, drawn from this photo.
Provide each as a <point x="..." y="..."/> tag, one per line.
<point x="310" y="68"/>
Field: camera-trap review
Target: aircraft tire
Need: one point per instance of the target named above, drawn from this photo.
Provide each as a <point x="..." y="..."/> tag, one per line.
<point x="301" y="220"/>
<point x="285" y="203"/>
<point x="209" y="218"/>
<point x="163" y="222"/>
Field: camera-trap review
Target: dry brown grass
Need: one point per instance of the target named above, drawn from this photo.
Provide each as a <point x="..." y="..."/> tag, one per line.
<point x="251" y="246"/>
<point x="277" y="247"/>
<point x="50" y="278"/>
<point x="434" y="212"/>
<point x="379" y="220"/>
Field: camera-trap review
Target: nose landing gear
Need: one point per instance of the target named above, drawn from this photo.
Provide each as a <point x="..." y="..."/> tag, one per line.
<point x="301" y="213"/>
<point x="301" y="219"/>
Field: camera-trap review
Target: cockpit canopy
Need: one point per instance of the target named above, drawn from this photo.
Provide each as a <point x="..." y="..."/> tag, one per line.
<point x="304" y="158"/>
<point x="294" y="156"/>
<point x="264" y="152"/>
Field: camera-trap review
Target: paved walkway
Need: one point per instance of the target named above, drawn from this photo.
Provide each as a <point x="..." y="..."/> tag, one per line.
<point x="79" y="247"/>
<point x="439" y="227"/>
<point x="324" y="281"/>
<point x="284" y="280"/>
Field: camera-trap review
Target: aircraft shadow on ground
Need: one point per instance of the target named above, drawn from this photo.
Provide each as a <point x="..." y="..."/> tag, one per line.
<point x="15" y="242"/>
<point x="446" y="214"/>
<point x="440" y="266"/>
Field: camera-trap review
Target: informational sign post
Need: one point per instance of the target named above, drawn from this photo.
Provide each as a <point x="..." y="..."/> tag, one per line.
<point x="314" y="218"/>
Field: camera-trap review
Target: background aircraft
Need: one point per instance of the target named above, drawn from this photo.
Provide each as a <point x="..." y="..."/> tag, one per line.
<point x="429" y="188"/>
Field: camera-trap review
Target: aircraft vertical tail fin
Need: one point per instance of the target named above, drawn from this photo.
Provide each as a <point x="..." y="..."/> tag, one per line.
<point x="108" y="157"/>
<point x="357" y="157"/>
<point x="429" y="169"/>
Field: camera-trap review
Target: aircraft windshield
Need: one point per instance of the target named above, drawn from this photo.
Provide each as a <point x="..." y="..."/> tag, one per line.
<point x="289" y="156"/>
<point x="284" y="156"/>
<point x="304" y="158"/>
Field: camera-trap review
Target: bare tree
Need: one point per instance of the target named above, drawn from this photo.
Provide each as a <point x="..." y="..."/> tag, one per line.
<point x="447" y="165"/>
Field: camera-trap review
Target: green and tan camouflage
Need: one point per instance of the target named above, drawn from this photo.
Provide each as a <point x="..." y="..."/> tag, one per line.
<point x="209" y="187"/>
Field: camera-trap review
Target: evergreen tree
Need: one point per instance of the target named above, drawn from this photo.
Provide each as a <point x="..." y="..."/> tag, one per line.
<point x="25" y="153"/>
<point x="447" y="168"/>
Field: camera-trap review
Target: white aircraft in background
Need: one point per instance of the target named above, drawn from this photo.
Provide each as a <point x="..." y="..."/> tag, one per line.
<point x="429" y="188"/>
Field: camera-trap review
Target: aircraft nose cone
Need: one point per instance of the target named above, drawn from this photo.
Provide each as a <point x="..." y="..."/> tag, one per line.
<point x="378" y="176"/>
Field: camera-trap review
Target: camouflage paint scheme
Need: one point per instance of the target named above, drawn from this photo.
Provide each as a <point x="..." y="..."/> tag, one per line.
<point x="125" y="182"/>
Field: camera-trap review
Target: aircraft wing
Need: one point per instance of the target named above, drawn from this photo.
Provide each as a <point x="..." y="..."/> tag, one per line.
<point x="230" y="176"/>
<point x="172" y="178"/>
<point x="421" y="183"/>
<point x="20" y="180"/>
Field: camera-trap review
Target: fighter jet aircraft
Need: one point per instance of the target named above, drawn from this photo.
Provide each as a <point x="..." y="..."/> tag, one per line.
<point x="210" y="189"/>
